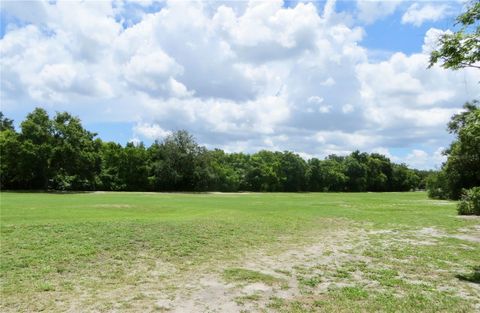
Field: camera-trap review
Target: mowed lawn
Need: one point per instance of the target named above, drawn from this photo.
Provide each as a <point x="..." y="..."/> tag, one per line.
<point x="272" y="252"/>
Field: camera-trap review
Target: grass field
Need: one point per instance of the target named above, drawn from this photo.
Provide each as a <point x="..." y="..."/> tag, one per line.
<point x="304" y="252"/>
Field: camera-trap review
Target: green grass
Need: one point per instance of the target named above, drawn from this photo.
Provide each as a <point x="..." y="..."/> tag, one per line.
<point x="248" y="298"/>
<point x="57" y="246"/>
<point x="310" y="281"/>
<point x="242" y="275"/>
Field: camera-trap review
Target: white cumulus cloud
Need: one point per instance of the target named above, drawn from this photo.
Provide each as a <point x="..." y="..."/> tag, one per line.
<point x="151" y="131"/>
<point x="418" y="14"/>
<point x="371" y="10"/>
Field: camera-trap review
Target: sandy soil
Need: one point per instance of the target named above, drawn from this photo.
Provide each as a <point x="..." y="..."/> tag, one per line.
<point x="163" y="288"/>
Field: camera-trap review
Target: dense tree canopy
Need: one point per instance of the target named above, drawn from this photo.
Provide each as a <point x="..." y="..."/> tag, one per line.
<point x="59" y="154"/>
<point x="462" y="169"/>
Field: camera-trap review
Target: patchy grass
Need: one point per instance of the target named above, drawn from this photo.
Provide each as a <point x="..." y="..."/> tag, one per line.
<point x="397" y="252"/>
<point x="242" y="275"/>
<point x="310" y="281"/>
<point x="248" y="298"/>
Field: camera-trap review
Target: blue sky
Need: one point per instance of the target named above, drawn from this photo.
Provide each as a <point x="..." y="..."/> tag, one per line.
<point x="313" y="77"/>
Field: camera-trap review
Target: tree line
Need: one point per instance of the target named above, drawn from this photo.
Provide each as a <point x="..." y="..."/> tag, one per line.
<point x="59" y="154"/>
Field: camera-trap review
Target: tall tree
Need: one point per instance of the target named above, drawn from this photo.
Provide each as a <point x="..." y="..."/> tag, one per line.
<point x="109" y="178"/>
<point x="36" y="139"/>
<point x="75" y="158"/>
<point x="226" y="177"/>
<point x="404" y="179"/>
<point x="174" y="162"/>
<point x="204" y="174"/>
<point x="133" y="167"/>
<point x="293" y="170"/>
<point x="379" y="173"/>
<point x="10" y="148"/>
<point x="327" y="175"/>
<point x="463" y="163"/>
<point x="263" y="172"/>
<point x="356" y="170"/>
<point x="461" y="49"/>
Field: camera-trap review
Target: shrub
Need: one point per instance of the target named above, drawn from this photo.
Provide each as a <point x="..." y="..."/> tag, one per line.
<point x="470" y="202"/>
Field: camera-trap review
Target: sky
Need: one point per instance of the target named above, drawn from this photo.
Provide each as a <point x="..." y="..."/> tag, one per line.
<point x="316" y="78"/>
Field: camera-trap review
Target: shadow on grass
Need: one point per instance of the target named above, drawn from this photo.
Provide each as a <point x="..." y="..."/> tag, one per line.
<point x="473" y="277"/>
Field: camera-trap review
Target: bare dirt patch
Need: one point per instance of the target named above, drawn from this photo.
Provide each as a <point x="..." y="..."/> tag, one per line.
<point x="154" y="285"/>
<point x="468" y="217"/>
<point x="334" y="261"/>
<point x="296" y="269"/>
<point x="469" y="234"/>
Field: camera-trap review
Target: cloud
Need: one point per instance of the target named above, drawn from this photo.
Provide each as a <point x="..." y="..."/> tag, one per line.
<point x="350" y="141"/>
<point x="384" y="151"/>
<point x="418" y="14"/>
<point x="348" y="108"/>
<point x="370" y="11"/>
<point x="150" y="131"/>
<point x="400" y="92"/>
<point x="421" y="159"/>
<point x="153" y="73"/>
<point x="241" y="76"/>
<point x="39" y="66"/>
<point x="241" y="119"/>
<point x="267" y="31"/>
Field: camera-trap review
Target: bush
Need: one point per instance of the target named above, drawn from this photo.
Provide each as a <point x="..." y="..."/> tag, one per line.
<point x="470" y="202"/>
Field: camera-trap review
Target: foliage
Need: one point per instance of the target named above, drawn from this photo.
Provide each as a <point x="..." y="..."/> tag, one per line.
<point x="75" y="158"/>
<point x="60" y="154"/>
<point x="423" y="176"/>
<point x="179" y="163"/>
<point x="356" y="171"/>
<point x="36" y="145"/>
<point x="461" y="48"/>
<point x="470" y="202"/>
<point x="5" y="123"/>
<point x="462" y="168"/>
<point x="404" y="179"/>
<point x="437" y="185"/>
<point x="292" y="172"/>
<point x="380" y="172"/>
<point x="9" y="158"/>
<point x="326" y="175"/>
<point x="463" y="164"/>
